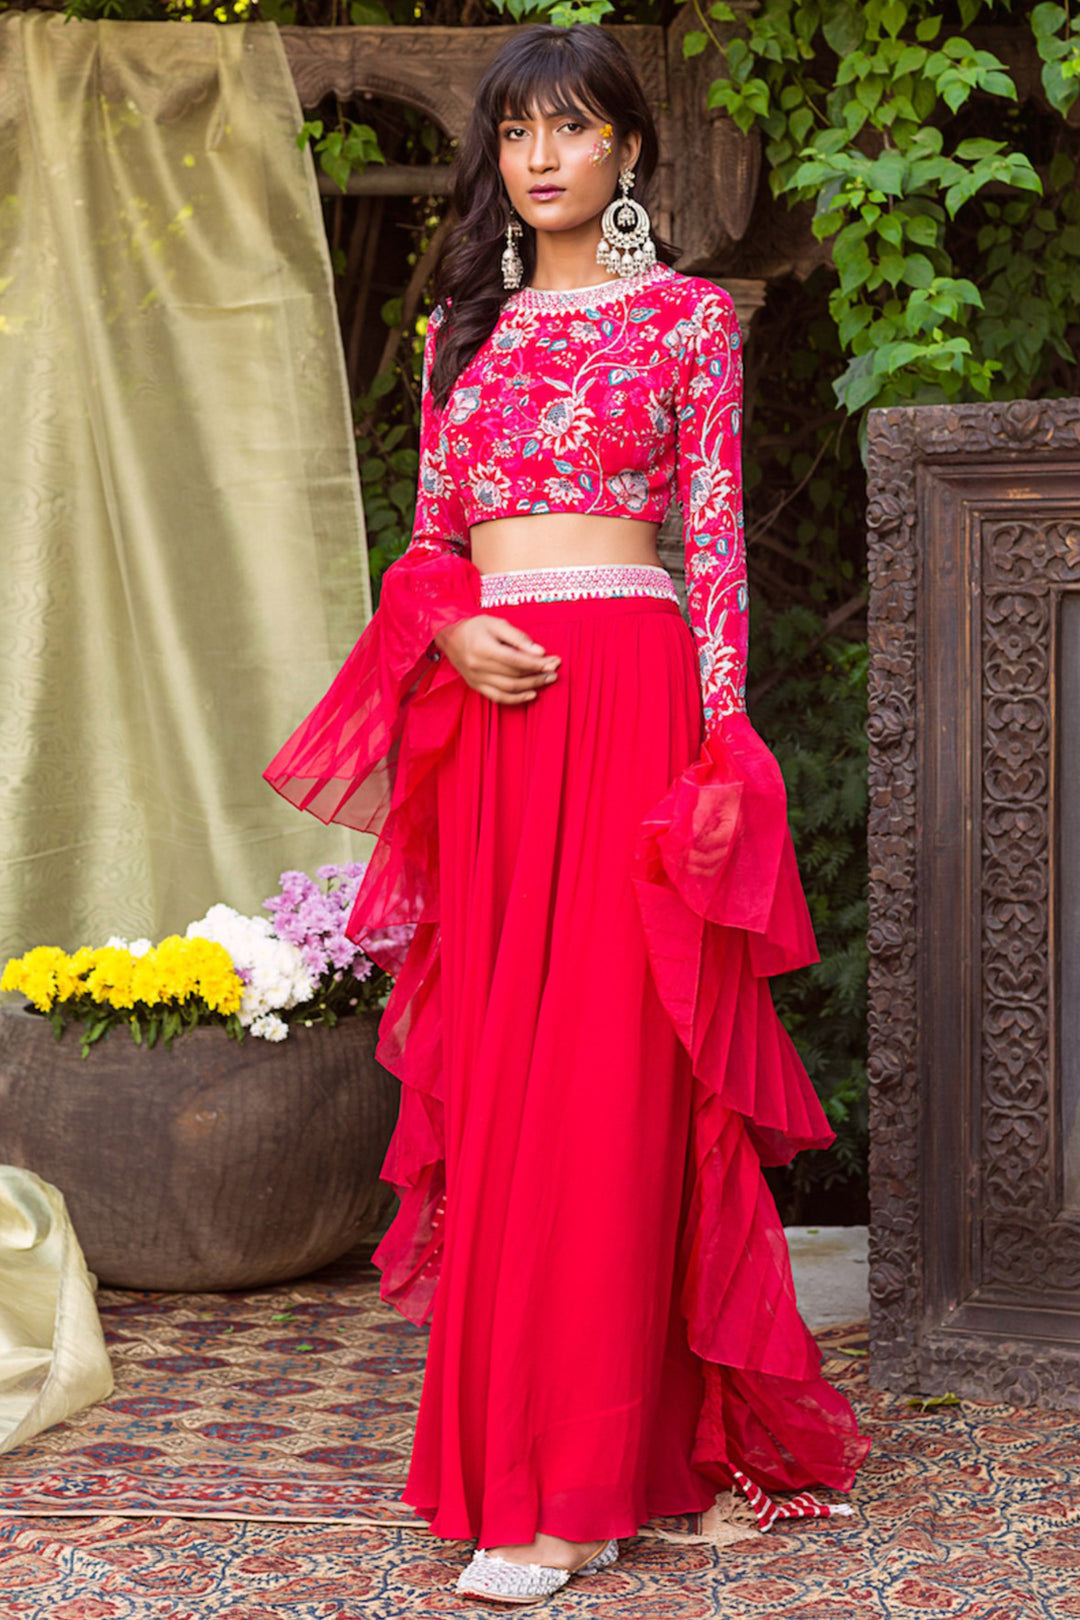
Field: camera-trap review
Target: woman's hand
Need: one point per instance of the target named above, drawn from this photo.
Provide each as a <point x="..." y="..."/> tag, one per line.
<point x="497" y="659"/>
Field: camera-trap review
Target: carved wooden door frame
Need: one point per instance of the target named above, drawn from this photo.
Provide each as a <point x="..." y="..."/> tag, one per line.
<point x="974" y="522"/>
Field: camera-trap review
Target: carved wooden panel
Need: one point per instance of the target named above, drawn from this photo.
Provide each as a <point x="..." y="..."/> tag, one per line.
<point x="975" y="899"/>
<point x="434" y="69"/>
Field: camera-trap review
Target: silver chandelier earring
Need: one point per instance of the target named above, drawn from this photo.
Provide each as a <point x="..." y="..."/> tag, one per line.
<point x="512" y="267"/>
<point x="626" y="245"/>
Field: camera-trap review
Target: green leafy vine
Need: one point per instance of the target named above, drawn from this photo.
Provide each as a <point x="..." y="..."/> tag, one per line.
<point x="868" y="116"/>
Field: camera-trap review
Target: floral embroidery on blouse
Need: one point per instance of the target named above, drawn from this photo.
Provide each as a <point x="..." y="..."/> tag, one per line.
<point x="610" y="400"/>
<point x="440" y="522"/>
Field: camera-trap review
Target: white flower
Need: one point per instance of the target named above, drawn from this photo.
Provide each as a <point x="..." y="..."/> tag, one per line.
<point x="433" y="477"/>
<point x="658" y="412"/>
<point x="462" y="403"/>
<point x="277" y="975"/>
<point x="137" y="947"/>
<point x="563" y="489"/>
<point x="269" y="1027"/>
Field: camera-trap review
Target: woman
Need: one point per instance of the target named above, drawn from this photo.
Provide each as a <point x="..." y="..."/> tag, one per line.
<point x="591" y="846"/>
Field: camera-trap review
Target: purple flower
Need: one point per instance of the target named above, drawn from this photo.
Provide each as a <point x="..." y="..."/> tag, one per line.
<point x="293" y="885"/>
<point x="314" y="919"/>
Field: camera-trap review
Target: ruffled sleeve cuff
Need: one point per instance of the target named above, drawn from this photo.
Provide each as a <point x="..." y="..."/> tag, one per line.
<point x="720" y="840"/>
<point x="341" y="762"/>
<point x="722" y="907"/>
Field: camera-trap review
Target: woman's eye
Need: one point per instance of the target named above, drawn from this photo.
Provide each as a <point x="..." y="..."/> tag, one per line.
<point x="509" y="134"/>
<point x="572" y="126"/>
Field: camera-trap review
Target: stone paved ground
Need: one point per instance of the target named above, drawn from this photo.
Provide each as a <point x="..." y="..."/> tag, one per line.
<point x="831" y="1273"/>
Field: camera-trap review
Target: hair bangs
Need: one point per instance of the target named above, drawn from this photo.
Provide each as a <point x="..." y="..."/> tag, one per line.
<point x="542" y="88"/>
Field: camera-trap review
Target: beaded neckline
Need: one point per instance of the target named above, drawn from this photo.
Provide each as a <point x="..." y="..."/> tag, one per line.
<point x="605" y="292"/>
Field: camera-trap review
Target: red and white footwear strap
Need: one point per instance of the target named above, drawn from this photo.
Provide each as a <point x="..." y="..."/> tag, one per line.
<point x="803" y="1506"/>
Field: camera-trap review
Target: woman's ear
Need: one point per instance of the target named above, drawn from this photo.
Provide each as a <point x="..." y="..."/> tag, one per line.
<point x="629" y="150"/>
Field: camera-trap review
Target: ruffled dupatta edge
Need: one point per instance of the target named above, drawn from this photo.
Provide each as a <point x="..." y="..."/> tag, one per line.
<point x="723" y="909"/>
<point x="365" y="758"/>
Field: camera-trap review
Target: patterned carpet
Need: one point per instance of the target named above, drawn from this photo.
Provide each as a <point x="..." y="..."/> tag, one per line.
<point x="248" y="1465"/>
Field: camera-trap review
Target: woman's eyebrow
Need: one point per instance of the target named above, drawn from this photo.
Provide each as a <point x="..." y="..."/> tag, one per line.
<point x="552" y="112"/>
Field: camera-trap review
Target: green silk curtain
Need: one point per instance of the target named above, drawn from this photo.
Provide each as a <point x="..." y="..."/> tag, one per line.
<point x="182" y="559"/>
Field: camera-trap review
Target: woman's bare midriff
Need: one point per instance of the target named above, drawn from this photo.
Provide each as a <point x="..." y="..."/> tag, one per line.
<point x="561" y="540"/>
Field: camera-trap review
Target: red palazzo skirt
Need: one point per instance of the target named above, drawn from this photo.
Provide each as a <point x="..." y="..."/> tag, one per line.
<point x="614" y="1332"/>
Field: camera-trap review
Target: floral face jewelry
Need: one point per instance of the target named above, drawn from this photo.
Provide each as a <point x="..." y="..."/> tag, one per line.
<point x="602" y="149"/>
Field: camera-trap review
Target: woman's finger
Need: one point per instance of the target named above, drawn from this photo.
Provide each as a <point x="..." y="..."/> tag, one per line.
<point x="497" y="696"/>
<point x="493" y="667"/>
<point x="511" y="662"/>
<point x="518" y="649"/>
<point x="516" y="683"/>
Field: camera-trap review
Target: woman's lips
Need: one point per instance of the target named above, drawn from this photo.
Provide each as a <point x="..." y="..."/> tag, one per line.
<point x="543" y="193"/>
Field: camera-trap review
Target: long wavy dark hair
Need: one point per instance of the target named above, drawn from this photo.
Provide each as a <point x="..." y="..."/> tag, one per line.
<point x="551" y="71"/>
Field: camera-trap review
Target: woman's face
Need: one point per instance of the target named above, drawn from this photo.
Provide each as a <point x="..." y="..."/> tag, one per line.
<point x="561" y="169"/>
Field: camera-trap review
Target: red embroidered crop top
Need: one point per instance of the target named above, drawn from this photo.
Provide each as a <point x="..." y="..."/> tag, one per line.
<point x="608" y="400"/>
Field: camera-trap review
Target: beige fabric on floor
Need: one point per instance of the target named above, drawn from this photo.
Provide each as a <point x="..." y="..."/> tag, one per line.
<point x="182" y="560"/>
<point x="53" y="1360"/>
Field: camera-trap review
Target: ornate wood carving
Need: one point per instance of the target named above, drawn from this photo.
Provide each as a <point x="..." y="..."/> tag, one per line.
<point x="895" y="1282"/>
<point x="975" y="1262"/>
<point x="435" y="69"/>
<point x="716" y="178"/>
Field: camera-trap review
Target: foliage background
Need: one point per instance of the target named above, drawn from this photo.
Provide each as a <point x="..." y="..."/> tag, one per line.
<point x="932" y="152"/>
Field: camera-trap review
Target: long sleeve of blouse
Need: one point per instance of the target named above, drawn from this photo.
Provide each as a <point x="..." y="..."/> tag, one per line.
<point x="440" y="523"/>
<point x="708" y="478"/>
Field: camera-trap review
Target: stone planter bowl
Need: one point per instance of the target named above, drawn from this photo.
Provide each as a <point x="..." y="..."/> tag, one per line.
<point x="219" y="1164"/>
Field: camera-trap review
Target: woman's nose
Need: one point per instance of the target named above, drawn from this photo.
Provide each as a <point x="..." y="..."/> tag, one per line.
<point x="542" y="155"/>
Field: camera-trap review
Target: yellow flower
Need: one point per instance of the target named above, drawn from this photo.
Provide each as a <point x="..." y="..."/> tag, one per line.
<point x="68" y="982"/>
<point x="109" y="979"/>
<point x="178" y="969"/>
<point x="175" y="970"/>
<point x="220" y="986"/>
<point x="144" y="979"/>
<point x="176" y="979"/>
<point x="36" y="975"/>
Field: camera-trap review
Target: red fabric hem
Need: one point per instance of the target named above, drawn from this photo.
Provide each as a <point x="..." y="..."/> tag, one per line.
<point x="618" y="1524"/>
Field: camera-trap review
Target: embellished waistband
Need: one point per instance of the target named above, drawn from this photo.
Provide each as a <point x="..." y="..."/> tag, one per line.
<point x="579" y="580"/>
